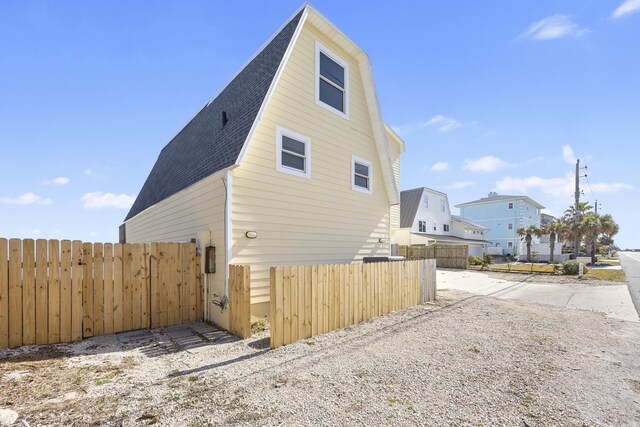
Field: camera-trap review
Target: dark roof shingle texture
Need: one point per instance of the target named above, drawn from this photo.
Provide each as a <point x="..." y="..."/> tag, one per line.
<point x="204" y="146"/>
<point x="409" y="202"/>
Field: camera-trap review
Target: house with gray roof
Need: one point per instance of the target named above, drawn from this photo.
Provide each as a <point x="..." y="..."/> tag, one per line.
<point x="290" y="164"/>
<point x="425" y="218"/>
<point x="503" y="215"/>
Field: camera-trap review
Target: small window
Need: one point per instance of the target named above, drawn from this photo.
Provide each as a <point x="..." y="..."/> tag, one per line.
<point x="332" y="81"/>
<point x="422" y="226"/>
<point x="435" y="227"/>
<point x="360" y="174"/>
<point x="293" y="153"/>
<point x="445" y="227"/>
<point x="510" y="205"/>
<point x="510" y="244"/>
<point x="426" y="201"/>
<point x="510" y="226"/>
<point x="442" y="208"/>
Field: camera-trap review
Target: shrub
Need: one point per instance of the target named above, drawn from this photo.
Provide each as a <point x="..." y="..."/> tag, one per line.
<point x="570" y="268"/>
<point x="488" y="259"/>
<point x="475" y="260"/>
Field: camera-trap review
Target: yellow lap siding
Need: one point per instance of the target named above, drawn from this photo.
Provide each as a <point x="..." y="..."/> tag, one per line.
<point x="180" y="217"/>
<point x="316" y="220"/>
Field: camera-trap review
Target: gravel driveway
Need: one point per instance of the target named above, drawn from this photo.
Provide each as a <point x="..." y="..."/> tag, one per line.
<point x="465" y="360"/>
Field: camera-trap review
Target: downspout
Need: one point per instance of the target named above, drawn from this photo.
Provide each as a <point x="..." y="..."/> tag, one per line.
<point x="227" y="180"/>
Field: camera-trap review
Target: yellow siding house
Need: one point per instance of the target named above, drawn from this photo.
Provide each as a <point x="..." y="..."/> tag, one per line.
<point x="290" y="164"/>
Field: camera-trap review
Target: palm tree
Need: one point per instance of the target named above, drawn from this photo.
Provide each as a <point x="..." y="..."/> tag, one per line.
<point x="553" y="229"/>
<point x="594" y="226"/>
<point x="574" y="231"/>
<point x="527" y="235"/>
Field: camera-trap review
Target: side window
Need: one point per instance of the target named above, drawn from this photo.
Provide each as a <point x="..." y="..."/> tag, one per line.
<point x="445" y="227"/>
<point x="510" y="226"/>
<point x="360" y="175"/>
<point x="510" y="244"/>
<point x="332" y="81"/>
<point x="510" y="205"/>
<point x="293" y="153"/>
<point x="422" y="226"/>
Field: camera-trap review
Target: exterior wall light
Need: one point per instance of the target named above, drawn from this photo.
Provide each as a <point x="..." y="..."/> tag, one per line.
<point x="251" y="234"/>
<point x="382" y="240"/>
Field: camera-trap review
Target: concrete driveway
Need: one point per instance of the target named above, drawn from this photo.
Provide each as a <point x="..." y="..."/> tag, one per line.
<point x="612" y="300"/>
<point x="630" y="262"/>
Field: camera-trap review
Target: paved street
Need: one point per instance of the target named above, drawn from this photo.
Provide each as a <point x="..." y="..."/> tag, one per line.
<point x="612" y="300"/>
<point x="630" y="262"/>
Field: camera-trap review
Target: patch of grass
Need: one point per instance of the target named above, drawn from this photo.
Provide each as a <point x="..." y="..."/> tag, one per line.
<point x="105" y="378"/>
<point x="520" y="268"/>
<point x="259" y="325"/>
<point x="310" y="342"/>
<point x="612" y="275"/>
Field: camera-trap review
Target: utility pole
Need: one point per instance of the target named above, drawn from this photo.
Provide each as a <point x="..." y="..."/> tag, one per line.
<point x="596" y="207"/>
<point x="576" y="247"/>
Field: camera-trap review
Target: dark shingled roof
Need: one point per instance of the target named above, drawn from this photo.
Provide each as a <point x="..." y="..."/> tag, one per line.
<point x="409" y="202"/>
<point x="205" y="146"/>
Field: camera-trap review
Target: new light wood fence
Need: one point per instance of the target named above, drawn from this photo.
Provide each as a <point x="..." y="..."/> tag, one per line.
<point x="310" y="300"/>
<point x="240" y="301"/>
<point x="446" y="256"/>
<point x="58" y="291"/>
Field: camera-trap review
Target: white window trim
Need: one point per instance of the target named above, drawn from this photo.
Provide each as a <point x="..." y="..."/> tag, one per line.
<point x="355" y="187"/>
<point x="280" y="131"/>
<point x="322" y="48"/>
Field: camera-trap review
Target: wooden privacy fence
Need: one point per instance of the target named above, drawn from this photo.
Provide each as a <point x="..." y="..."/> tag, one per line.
<point x="58" y="291"/>
<point x="446" y="256"/>
<point x="311" y="300"/>
<point x="240" y="301"/>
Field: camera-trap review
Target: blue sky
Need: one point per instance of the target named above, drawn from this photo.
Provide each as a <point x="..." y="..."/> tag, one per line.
<point x="488" y="96"/>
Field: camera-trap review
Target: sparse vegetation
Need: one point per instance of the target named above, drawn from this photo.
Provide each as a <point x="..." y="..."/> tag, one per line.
<point x="259" y="325"/>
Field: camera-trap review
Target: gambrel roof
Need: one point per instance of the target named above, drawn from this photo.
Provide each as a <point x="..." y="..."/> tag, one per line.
<point x="206" y="145"/>
<point x="217" y="137"/>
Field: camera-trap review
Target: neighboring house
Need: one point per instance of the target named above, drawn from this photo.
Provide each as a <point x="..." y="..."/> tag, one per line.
<point x="543" y="248"/>
<point x="503" y="216"/>
<point x="290" y="164"/>
<point x="425" y="218"/>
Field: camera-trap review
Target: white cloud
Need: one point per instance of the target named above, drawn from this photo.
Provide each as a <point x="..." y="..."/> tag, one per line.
<point x="440" y="166"/>
<point x="629" y="6"/>
<point x="553" y="27"/>
<point x="61" y="180"/>
<point x="567" y="155"/>
<point x="26" y="199"/>
<point x="440" y="122"/>
<point x="444" y="124"/>
<point x="485" y="164"/>
<point x="99" y="200"/>
<point x="460" y="184"/>
<point x="559" y="187"/>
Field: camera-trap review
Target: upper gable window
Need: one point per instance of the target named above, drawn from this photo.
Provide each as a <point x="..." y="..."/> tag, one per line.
<point x="360" y="174"/>
<point x="442" y="208"/>
<point x="332" y="81"/>
<point x="293" y="153"/>
<point x="426" y="201"/>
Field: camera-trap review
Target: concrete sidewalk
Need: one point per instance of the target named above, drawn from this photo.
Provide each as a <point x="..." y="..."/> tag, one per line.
<point x="612" y="300"/>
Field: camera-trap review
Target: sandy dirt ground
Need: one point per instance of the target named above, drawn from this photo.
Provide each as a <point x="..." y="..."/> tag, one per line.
<point x="464" y="360"/>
